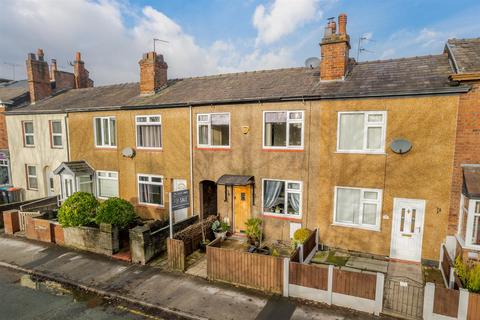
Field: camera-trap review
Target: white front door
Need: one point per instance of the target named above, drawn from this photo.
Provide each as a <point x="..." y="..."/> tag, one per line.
<point x="407" y="229"/>
<point x="67" y="186"/>
<point x="180" y="184"/>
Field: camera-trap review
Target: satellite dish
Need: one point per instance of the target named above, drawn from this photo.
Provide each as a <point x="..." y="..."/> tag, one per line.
<point x="128" y="152"/>
<point x="312" y="62"/>
<point x="401" y="146"/>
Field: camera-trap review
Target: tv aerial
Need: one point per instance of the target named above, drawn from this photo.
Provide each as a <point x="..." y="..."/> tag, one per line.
<point x="360" y="47"/>
<point x="155" y="40"/>
<point x="312" y="62"/>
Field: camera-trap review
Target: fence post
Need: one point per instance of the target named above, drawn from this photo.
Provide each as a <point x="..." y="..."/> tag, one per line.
<point x="300" y="254"/>
<point x="379" y="293"/>
<point x="330" y="284"/>
<point x="286" y="276"/>
<point x="463" y="304"/>
<point x="428" y="301"/>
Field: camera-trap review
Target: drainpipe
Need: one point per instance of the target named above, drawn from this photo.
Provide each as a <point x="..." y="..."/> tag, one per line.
<point x="191" y="160"/>
<point x="67" y="138"/>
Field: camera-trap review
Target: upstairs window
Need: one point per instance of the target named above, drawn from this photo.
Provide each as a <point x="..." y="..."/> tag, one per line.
<point x="105" y="132"/>
<point x="358" y="207"/>
<point x="283" y="129"/>
<point x="32" y="179"/>
<point x="150" y="189"/>
<point x="282" y="198"/>
<point x="213" y="130"/>
<point x="107" y="184"/>
<point x="56" y="133"/>
<point x="28" y="134"/>
<point x="361" y="132"/>
<point x="149" y="132"/>
<point x="4" y="172"/>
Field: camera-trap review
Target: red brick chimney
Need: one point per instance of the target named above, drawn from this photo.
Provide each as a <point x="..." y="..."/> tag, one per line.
<point x="82" y="79"/>
<point x="38" y="76"/>
<point x="153" y="73"/>
<point x="335" y="50"/>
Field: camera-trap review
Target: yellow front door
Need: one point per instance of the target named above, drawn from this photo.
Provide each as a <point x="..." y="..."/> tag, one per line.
<point x="241" y="206"/>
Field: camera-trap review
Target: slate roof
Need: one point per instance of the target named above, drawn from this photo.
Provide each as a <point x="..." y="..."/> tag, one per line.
<point x="471" y="181"/>
<point x="12" y="90"/>
<point x="466" y="54"/>
<point x="407" y="76"/>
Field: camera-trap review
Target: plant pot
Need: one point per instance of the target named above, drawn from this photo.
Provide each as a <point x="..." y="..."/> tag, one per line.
<point x="221" y="235"/>
<point x="203" y="246"/>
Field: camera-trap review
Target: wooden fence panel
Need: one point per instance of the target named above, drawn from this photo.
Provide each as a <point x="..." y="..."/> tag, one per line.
<point x="176" y="254"/>
<point x="356" y="284"/>
<point x="473" y="312"/>
<point x="243" y="268"/>
<point x="310" y="244"/>
<point x="308" y="275"/>
<point x="446" y="302"/>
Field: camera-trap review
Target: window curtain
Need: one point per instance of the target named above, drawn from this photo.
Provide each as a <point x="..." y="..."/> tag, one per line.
<point x="271" y="192"/>
<point x="144" y="194"/>
<point x="149" y="136"/>
<point x="108" y="188"/>
<point x="294" y="201"/>
<point x="351" y="131"/>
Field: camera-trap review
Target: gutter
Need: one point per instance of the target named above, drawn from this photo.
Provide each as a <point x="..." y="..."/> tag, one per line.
<point x="452" y="90"/>
<point x="472" y="76"/>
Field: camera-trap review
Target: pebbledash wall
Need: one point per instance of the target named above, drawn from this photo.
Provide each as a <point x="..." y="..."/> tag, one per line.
<point x="171" y="162"/>
<point x="42" y="155"/>
<point x="423" y="173"/>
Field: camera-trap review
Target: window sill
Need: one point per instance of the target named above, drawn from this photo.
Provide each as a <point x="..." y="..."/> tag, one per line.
<point x="282" y="217"/>
<point x="57" y="148"/>
<point x="353" y="226"/>
<point x="150" y="205"/>
<point x="467" y="246"/>
<point x="362" y="152"/>
<point x="282" y="150"/>
<point x="106" y="148"/>
<point x="29" y="146"/>
<point x="213" y="148"/>
<point x="145" y="149"/>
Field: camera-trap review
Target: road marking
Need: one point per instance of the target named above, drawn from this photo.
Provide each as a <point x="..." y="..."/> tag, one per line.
<point x="138" y="313"/>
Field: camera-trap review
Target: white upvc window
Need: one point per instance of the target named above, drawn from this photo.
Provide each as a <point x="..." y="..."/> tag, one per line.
<point x="282" y="198"/>
<point x="283" y="129"/>
<point x="213" y="130"/>
<point x="105" y="132"/>
<point x="469" y="231"/>
<point x="32" y="178"/>
<point x="361" y="132"/>
<point x="149" y="132"/>
<point x="85" y="183"/>
<point x="56" y="135"/>
<point x="28" y="134"/>
<point x="357" y="207"/>
<point x="107" y="184"/>
<point x="4" y="172"/>
<point x="150" y="190"/>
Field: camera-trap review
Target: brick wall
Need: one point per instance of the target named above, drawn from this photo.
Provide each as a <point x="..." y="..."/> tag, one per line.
<point x="38" y="229"/>
<point x="11" y="221"/>
<point x="467" y="147"/>
<point x="334" y="61"/>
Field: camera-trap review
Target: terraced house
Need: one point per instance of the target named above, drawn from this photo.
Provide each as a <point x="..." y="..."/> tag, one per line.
<point x="362" y="151"/>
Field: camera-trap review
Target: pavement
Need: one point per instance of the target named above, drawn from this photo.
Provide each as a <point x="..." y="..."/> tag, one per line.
<point x="171" y="295"/>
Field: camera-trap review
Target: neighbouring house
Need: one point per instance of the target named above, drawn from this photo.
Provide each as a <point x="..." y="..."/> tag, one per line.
<point x="464" y="222"/>
<point x="363" y="151"/>
<point x="37" y="136"/>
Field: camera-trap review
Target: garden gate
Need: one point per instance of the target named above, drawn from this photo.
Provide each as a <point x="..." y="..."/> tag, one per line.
<point x="403" y="298"/>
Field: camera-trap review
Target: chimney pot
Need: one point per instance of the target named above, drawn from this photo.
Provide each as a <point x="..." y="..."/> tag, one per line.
<point x="40" y="54"/>
<point x="342" y="23"/>
<point x="78" y="56"/>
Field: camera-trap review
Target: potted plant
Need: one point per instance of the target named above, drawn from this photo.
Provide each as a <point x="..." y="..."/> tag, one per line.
<point x="220" y="229"/>
<point x="254" y="231"/>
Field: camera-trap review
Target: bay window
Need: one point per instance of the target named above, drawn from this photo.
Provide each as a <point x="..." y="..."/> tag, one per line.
<point x="282" y="198"/>
<point x="357" y="207"/>
<point x="469" y="226"/>
<point x="149" y="132"/>
<point x="213" y="130"/>
<point x="150" y="189"/>
<point x="105" y="132"/>
<point x="361" y="132"/>
<point x="283" y="129"/>
<point x="107" y="184"/>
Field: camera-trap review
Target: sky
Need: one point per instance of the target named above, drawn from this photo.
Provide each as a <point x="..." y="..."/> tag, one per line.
<point x="220" y="36"/>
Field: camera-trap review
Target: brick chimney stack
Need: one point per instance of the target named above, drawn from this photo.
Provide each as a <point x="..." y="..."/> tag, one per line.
<point x="81" y="74"/>
<point x="38" y="76"/>
<point x="335" y="49"/>
<point x="153" y="73"/>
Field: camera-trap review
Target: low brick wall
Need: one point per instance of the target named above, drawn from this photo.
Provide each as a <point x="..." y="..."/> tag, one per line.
<point x="11" y="221"/>
<point x="103" y="240"/>
<point x="145" y="243"/>
<point x="40" y="229"/>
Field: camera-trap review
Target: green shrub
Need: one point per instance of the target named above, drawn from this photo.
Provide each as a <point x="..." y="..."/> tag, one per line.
<point x="78" y="210"/>
<point x="301" y="235"/>
<point x="468" y="274"/>
<point x="254" y="229"/>
<point x="116" y="211"/>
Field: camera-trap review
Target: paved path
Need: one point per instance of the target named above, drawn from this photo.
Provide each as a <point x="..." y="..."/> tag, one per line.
<point x="175" y="294"/>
